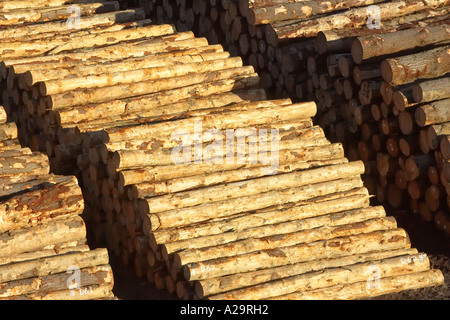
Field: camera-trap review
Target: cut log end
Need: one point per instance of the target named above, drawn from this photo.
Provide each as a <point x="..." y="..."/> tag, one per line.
<point x="386" y="71"/>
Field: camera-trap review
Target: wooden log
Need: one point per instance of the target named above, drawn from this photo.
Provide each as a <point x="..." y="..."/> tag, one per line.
<point x="364" y="48"/>
<point x="29" y="4"/>
<point x="358" y="290"/>
<point x="353" y="18"/>
<point x="327" y="205"/>
<point x="25" y="208"/>
<point x="161" y="173"/>
<point x="433" y="63"/>
<point x="54" y="45"/>
<point x="120" y="91"/>
<point x="416" y="166"/>
<point x="56" y="250"/>
<point x="246" y="188"/>
<point x="8" y="131"/>
<point x="113" y="78"/>
<point x="89" y="276"/>
<point x="185" y="183"/>
<point x="181" y="40"/>
<point x="435" y="132"/>
<point x="406" y="122"/>
<point x="346" y="217"/>
<point x="281" y="240"/>
<point x="298" y="10"/>
<point x="432" y="113"/>
<point x="3" y="116"/>
<point x="445" y="147"/>
<point x="223" y="121"/>
<point x="281" y="131"/>
<point x="128" y="159"/>
<point x="211" y="287"/>
<point x="330" y="277"/>
<point x="50" y="28"/>
<point x="94" y="292"/>
<point x="154" y="106"/>
<point x="39" y="236"/>
<point x="236" y="205"/>
<point x="51" y="71"/>
<point x="35" y="164"/>
<point x="334" y="248"/>
<point x="43" y="14"/>
<point x="431" y="90"/>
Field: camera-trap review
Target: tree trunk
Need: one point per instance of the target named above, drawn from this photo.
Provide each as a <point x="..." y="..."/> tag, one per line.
<point x="435" y="133"/>
<point x="445" y="147"/>
<point x="431" y="90"/>
<point x="55" y="45"/>
<point x="222" y="154"/>
<point x="406" y="69"/>
<point x="328" y="204"/>
<point x="145" y="190"/>
<point x="40" y="236"/>
<point x="30" y="4"/>
<point x="213" y="286"/>
<point x="255" y="186"/>
<point x="180" y="217"/>
<point x="161" y="173"/>
<point x="121" y="91"/>
<point x="359" y="290"/>
<point x="87" y="22"/>
<point x="299" y="10"/>
<point x="62" y="71"/>
<point x="281" y="240"/>
<point x="94" y="292"/>
<point x="352" y="18"/>
<point x="151" y="107"/>
<point x="52" y="87"/>
<point x="3" y="117"/>
<point x="48" y="284"/>
<point x="39" y="254"/>
<point x="359" y="272"/>
<point x="52" y="265"/>
<point x="330" y="220"/>
<point x="226" y="120"/>
<point x="8" y="131"/>
<point x="334" y="248"/>
<point x="178" y="41"/>
<point x="43" y="14"/>
<point x="40" y="201"/>
<point x="433" y="113"/>
<point x="35" y="164"/>
<point x="364" y="48"/>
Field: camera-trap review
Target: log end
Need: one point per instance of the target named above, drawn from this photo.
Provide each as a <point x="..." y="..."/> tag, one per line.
<point x="406" y="122"/>
<point x="386" y="71"/>
<point x="417" y="93"/>
<point x="420" y="117"/>
<point x="357" y="51"/>
<point x="199" y="290"/>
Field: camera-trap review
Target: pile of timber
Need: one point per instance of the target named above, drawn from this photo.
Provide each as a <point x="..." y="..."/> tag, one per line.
<point x="141" y="113"/>
<point x="386" y="96"/>
<point x="44" y="253"/>
<point x="360" y="74"/>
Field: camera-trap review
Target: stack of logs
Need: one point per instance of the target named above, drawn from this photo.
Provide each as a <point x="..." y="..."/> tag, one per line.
<point x="275" y="212"/>
<point x="333" y="54"/>
<point x="43" y="236"/>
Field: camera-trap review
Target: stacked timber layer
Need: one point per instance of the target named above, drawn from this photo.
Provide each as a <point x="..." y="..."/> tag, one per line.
<point x="43" y="251"/>
<point x="191" y="175"/>
<point x="378" y="71"/>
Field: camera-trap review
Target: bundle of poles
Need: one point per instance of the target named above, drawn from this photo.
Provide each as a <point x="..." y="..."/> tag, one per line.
<point x="43" y="236"/>
<point x="189" y="172"/>
<point x="378" y="71"/>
